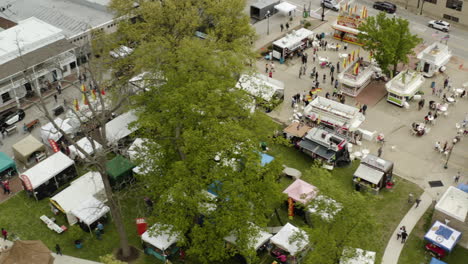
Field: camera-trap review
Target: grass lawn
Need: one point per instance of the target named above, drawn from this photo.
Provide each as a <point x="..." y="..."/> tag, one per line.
<point x="414" y="252"/>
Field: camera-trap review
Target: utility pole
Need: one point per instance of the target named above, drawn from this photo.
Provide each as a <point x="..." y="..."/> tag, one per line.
<point x="268" y="22"/>
<point x="448" y="157"/>
<point x="422" y="6"/>
<point x="323" y="11"/>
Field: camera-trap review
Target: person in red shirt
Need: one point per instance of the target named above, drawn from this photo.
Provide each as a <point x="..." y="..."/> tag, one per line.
<point x="4" y="234"/>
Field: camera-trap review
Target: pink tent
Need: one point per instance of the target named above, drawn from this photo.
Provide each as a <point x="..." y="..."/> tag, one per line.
<point x="301" y="191"/>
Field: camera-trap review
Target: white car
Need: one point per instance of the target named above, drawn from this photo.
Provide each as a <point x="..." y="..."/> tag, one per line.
<point x="331" y="4"/>
<point x="440" y="25"/>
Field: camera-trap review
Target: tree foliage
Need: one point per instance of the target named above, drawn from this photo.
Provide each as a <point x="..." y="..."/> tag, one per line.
<point x="196" y="115"/>
<point x="389" y="39"/>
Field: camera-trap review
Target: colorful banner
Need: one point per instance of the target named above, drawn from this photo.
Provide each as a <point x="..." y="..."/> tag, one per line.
<point x="352" y="56"/>
<point x="77" y="107"/>
<point x="93" y="94"/>
<point x="102" y="90"/>
<point x="290" y="208"/>
<point x="54" y="145"/>
<point x="356" y="69"/>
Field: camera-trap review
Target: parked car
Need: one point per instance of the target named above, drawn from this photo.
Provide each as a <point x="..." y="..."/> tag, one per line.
<point x="385" y="6"/>
<point x="440" y="25"/>
<point x="11" y="117"/>
<point x="331" y="4"/>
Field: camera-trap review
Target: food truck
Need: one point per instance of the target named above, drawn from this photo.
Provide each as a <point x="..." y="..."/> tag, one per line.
<point x="287" y="46"/>
<point x="46" y="177"/>
<point x="373" y="174"/>
<point x="324" y="144"/>
<point x="403" y="87"/>
<point x="29" y="150"/>
<point x="333" y="114"/>
<point x="159" y="243"/>
<point x="354" y="78"/>
<point x="80" y="190"/>
<point x="442" y="239"/>
<point x="347" y="23"/>
<point x="433" y="59"/>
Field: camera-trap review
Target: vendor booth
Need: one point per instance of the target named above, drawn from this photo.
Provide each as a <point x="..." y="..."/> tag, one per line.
<point x="403" y="87"/>
<point x="357" y="256"/>
<point x="138" y="151"/>
<point x="286" y="8"/>
<point x="301" y="191"/>
<point x="373" y="174"/>
<point x="267" y="92"/>
<point x="7" y="167"/>
<point x="87" y="146"/>
<point x="334" y="114"/>
<point x="295" y="41"/>
<point x="158" y="243"/>
<point x="291" y="241"/>
<point x="433" y="59"/>
<point x="48" y="130"/>
<point x="89" y="212"/>
<point x="347" y="23"/>
<point x="81" y="189"/>
<point x="260" y="9"/>
<point x="256" y="242"/>
<point x="118" y="128"/>
<point x="442" y="239"/>
<point x="326" y="145"/>
<point x="29" y="151"/>
<point x="436" y="261"/>
<point x="325" y="207"/>
<point x="356" y="76"/>
<point x="119" y="170"/>
<point x="46" y="177"/>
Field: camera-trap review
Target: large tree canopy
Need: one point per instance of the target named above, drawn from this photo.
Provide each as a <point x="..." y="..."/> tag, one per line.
<point x="389" y="39"/>
<point x="196" y="115"/>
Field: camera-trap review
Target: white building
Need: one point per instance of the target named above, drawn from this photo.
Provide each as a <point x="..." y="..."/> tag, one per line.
<point x="352" y="84"/>
<point x="403" y="87"/>
<point x="433" y="58"/>
<point x="33" y="53"/>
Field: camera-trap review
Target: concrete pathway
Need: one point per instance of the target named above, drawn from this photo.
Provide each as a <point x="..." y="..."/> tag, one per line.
<point x="58" y="259"/>
<point x="394" y="246"/>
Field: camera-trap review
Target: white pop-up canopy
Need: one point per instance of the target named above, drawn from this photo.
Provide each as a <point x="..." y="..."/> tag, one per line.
<point x="48" y="168"/>
<point x="325" y="207"/>
<point x="260" y="86"/>
<point x="86" y="145"/>
<point x="454" y="203"/>
<point x="159" y="239"/>
<point x="48" y="130"/>
<point x="117" y="128"/>
<point x="443" y="236"/>
<point x="80" y="190"/>
<point x="90" y="210"/>
<point x="359" y="256"/>
<point x="285" y="8"/>
<point x="282" y="239"/>
<point x="256" y="242"/>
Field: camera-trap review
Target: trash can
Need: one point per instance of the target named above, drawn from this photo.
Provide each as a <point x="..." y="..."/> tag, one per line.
<point x="58" y="110"/>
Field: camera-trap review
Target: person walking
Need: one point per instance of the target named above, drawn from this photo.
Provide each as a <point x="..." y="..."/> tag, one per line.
<point x="300" y="72"/>
<point x="55" y="98"/>
<point x="456" y="178"/>
<point x="332" y="79"/>
<point x="98" y="234"/>
<point x="4" y="234"/>
<point x="100" y="227"/>
<point x="336" y="84"/>
<point x="316" y="76"/>
<point x="398" y="235"/>
<point x="364" y="108"/>
<point x="332" y="69"/>
<point x="446" y="82"/>
<point x="404" y="235"/>
<point x="324" y="77"/>
<point x="267" y="69"/>
<point x="6" y="187"/>
<point x="270" y="74"/>
<point x="410" y="198"/>
<point x="418" y="200"/>
<point x="338" y="67"/>
<point x="272" y="66"/>
<point x="287" y="26"/>
<point x="421" y="104"/>
<point x="58" y="250"/>
<point x="345" y="46"/>
<point x="282" y="27"/>
<point x="379" y="152"/>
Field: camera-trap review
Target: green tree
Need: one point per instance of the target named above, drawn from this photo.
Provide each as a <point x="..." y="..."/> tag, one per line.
<point x="389" y="39"/>
<point x="196" y="115"/>
<point x="351" y="226"/>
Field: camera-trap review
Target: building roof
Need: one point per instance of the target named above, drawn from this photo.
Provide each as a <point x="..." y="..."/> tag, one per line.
<point x="454" y="203"/>
<point x="72" y="16"/>
<point x="118" y="128"/>
<point x="368" y="174"/>
<point x="297" y="129"/>
<point x="378" y="163"/>
<point x="294" y="38"/>
<point x="264" y="3"/>
<point x="436" y="53"/>
<point x="406" y="83"/>
<point x="284" y="239"/>
<point x="48" y="168"/>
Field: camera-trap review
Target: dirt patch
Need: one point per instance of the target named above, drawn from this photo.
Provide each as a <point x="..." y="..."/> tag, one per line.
<point x="134" y="254"/>
<point x="15" y="186"/>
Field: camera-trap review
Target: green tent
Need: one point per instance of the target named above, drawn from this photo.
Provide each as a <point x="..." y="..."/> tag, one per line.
<point x="6" y="163"/>
<point x="119" y="170"/>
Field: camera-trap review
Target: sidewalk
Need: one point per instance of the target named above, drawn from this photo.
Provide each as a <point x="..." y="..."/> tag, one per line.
<point x="394" y="246"/>
<point x="58" y="259"/>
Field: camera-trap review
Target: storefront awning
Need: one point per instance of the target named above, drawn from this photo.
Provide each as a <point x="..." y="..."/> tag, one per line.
<point x="368" y="174"/>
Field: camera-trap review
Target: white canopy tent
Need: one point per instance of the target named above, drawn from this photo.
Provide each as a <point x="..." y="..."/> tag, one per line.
<point x="282" y="239"/>
<point x="285" y="8"/>
<point x="359" y="256"/>
<point x="117" y="128"/>
<point x="454" y="203"/>
<point x="48" y="169"/>
<point x="368" y="174"/>
<point x="159" y="239"/>
<point x="48" y="130"/>
<point x="87" y="186"/>
<point x="90" y="211"/>
<point x="86" y="145"/>
<point x="256" y="242"/>
<point x="260" y="86"/>
<point x="325" y="207"/>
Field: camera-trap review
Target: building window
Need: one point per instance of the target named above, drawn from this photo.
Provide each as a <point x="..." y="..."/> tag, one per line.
<point x="6" y="97"/>
<point x="454" y="4"/>
<point x="431" y="1"/>
<point x="449" y="17"/>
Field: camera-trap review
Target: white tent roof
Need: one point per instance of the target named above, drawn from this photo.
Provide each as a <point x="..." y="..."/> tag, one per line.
<point x="369" y="174"/>
<point x="86" y="145"/>
<point x="285" y="7"/>
<point x="361" y="257"/>
<point x="443" y="236"/>
<point x="79" y="191"/>
<point x="121" y="52"/>
<point x="162" y="240"/>
<point x="281" y="239"/>
<point x="436" y="53"/>
<point x="324" y="206"/>
<point x="454" y="203"/>
<point x="48" y="169"/>
<point x="294" y="39"/>
<point x="260" y="86"/>
<point x="136" y="149"/>
<point x="48" y="130"/>
<point x="256" y="242"/>
<point x="117" y="128"/>
<point x="90" y="210"/>
<point x="406" y="83"/>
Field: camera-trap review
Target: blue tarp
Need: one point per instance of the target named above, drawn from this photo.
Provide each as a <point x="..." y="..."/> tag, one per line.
<point x="436" y="261"/>
<point x="6" y="162"/>
<point x="463" y="187"/>
<point x="266" y="159"/>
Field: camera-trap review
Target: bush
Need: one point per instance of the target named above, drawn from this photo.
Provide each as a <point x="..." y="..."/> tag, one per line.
<point x="307" y="24"/>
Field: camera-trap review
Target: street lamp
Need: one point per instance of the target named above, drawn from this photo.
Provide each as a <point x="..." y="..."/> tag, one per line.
<point x="268" y="23"/>
<point x="448" y="157"/>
